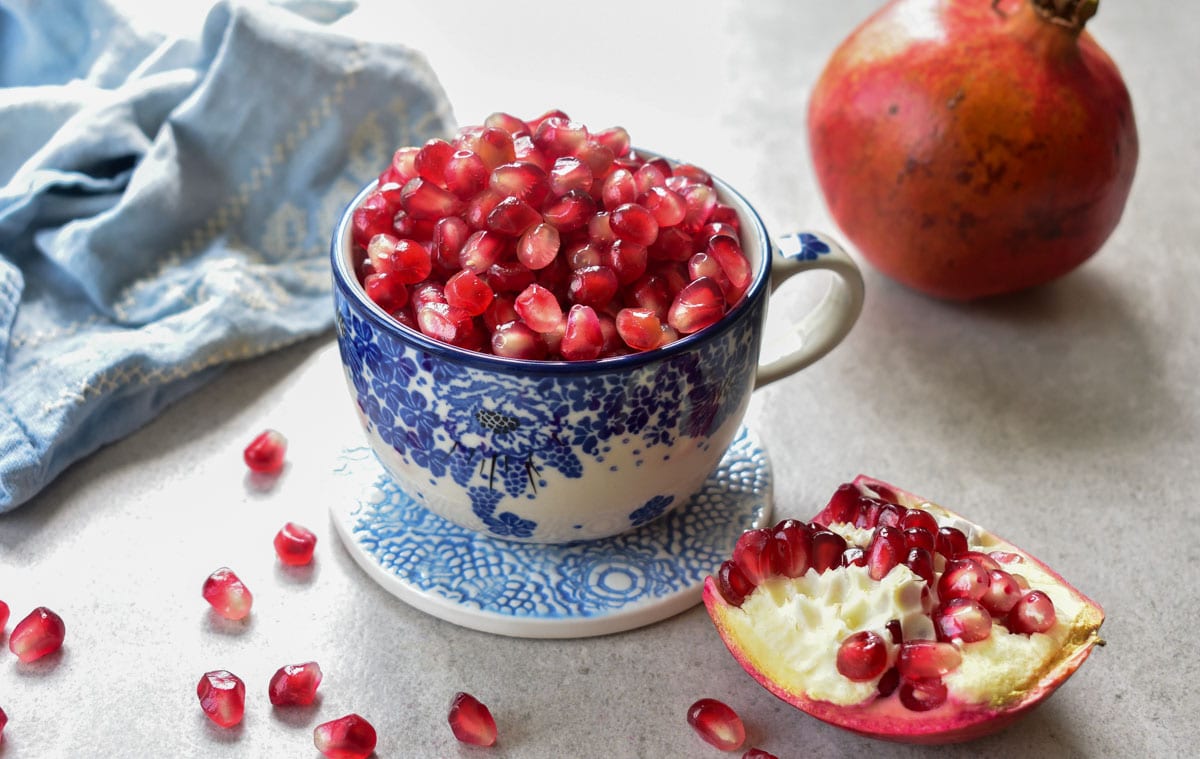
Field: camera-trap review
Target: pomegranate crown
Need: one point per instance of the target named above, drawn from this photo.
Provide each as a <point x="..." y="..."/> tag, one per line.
<point x="1073" y="14"/>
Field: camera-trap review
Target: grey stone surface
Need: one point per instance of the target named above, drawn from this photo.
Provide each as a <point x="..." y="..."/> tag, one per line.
<point x="1065" y="418"/>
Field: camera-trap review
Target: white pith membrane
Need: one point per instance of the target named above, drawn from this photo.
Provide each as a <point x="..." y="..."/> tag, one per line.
<point x="798" y="624"/>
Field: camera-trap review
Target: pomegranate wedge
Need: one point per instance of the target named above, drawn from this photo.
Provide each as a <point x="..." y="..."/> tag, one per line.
<point x="960" y="649"/>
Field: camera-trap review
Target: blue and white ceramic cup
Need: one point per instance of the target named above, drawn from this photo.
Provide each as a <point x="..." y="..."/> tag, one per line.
<point x="550" y="451"/>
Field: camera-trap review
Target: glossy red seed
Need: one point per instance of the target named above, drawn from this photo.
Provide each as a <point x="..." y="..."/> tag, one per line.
<point x="633" y="222"/>
<point x="895" y="631"/>
<point x="615" y="139"/>
<point x="387" y="291"/>
<point x="890" y="515"/>
<point x="793" y="548"/>
<point x="403" y="166"/>
<point x="516" y="339"/>
<point x="557" y="136"/>
<point x="583" y="339"/>
<point x="888" y="683"/>
<point x="449" y="235"/>
<point x="649" y="176"/>
<point x="521" y="180"/>
<point x="919" y="519"/>
<point x="475" y="214"/>
<point x="844" y="504"/>
<point x="295" y="684"/>
<point x="410" y="261"/>
<point x="922" y="695"/>
<point x="982" y="559"/>
<point x="593" y="286"/>
<point x="754" y="554"/>
<point x="227" y="594"/>
<point x="927" y="658"/>
<point x="450" y="325"/>
<point x="917" y="537"/>
<point x="465" y="174"/>
<point x="673" y="244"/>
<point x="512" y="217"/>
<point x="1006" y="557"/>
<point x="862" y="656"/>
<point x="509" y="123"/>
<point x="728" y="252"/>
<point x="570" y="212"/>
<point x="527" y="152"/>
<point x="717" y="724"/>
<point x="962" y="619"/>
<point x="598" y="158"/>
<point x="467" y="291"/>
<point x="494" y="146"/>
<point x="704" y="265"/>
<point x="539" y="309"/>
<point x="39" y="634"/>
<point x="222" y="697"/>
<point x="640" y="328"/>
<point x="471" y="721"/>
<point x="951" y="542"/>
<point x="868" y="513"/>
<point x="827" y="548"/>
<point x="732" y="584"/>
<point x="884" y="552"/>
<point x="700" y="200"/>
<point x="1002" y="594"/>
<point x="962" y="578"/>
<point x="294" y="544"/>
<point x="538" y="246"/>
<point x="1033" y="613"/>
<point x="423" y="199"/>
<point x="619" y="188"/>
<point x="265" y="453"/>
<point x="698" y="305"/>
<point x="431" y="161"/>
<point x="481" y="250"/>
<point x="570" y="173"/>
<point x="348" y="737"/>
<point x="372" y="217"/>
<point x="920" y="561"/>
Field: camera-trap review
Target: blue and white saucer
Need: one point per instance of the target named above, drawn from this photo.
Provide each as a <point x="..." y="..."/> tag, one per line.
<point x="530" y="590"/>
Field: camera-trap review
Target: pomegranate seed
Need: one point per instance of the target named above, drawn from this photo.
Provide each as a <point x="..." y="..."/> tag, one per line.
<point x="704" y="265"/>
<point x="4" y="612"/>
<point x="449" y="325"/>
<point x="1033" y="613"/>
<point x="920" y="561"/>
<point x="1002" y="594"/>
<point x="423" y="199"/>
<point x="593" y="286"/>
<point x="922" y="695"/>
<point x="793" y="547"/>
<point x="884" y="552"/>
<point x="494" y="146"/>
<point x="480" y="251"/>
<point x="511" y="124"/>
<point x="557" y="136"/>
<point x="524" y="181"/>
<point x="228" y="595"/>
<point x="449" y="235"/>
<point x="581" y="254"/>
<point x="919" y="519"/>
<point x="717" y="724"/>
<point x="673" y="244"/>
<point x="1020" y="581"/>
<point x="570" y="173"/>
<point x="862" y="656"/>
<point x="526" y="152"/>
<point x="426" y="294"/>
<point x="753" y="553"/>
<point x="40" y="633"/>
<point x="467" y="291"/>
<point x="951" y="542"/>
<point x="402" y="168"/>
<point x="615" y="139"/>
<point x="649" y="176"/>
<point x="387" y="291"/>
<point x="728" y="252"/>
<point x="465" y="174"/>
<point x="598" y="158"/>
<point x="888" y="683"/>
<point x="627" y="260"/>
<point x="640" y="328"/>
<point x="538" y="246"/>
<point x="222" y="697"/>
<point x="554" y="113"/>
<point x="431" y="161"/>
<point x="698" y="305"/>
<point x="633" y="222"/>
<point x="853" y="557"/>
<point x="1005" y="557"/>
<point x="962" y="578"/>
<point x="408" y="260"/>
<point x="827" y="548"/>
<point x="895" y="631"/>
<point x="349" y="737"/>
<point x="516" y="339"/>
<point x="700" y="200"/>
<point x="583" y="339"/>
<point x="512" y="216"/>
<point x="619" y="189"/>
<point x="471" y="721"/>
<point x="539" y="309"/>
<point x="927" y="658"/>
<point x="694" y="174"/>
<point x="890" y="515"/>
<point x="3" y="722"/>
<point x="295" y="544"/>
<point x="868" y="512"/>
<point x="758" y="753"/>
<point x="962" y="619"/>
<point x="732" y="584"/>
<point x="982" y="559"/>
<point x="500" y="311"/>
<point x="570" y="212"/>
<point x="917" y="537"/>
<point x="265" y="452"/>
<point x="372" y="217"/>
<point x="844" y="505"/>
<point x="295" y="684"/>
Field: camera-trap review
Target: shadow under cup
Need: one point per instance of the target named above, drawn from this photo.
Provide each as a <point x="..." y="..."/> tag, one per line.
<point x="550" y="451"/>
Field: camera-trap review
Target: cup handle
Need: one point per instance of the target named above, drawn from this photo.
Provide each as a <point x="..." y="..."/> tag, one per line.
<point x="825" y="326"/>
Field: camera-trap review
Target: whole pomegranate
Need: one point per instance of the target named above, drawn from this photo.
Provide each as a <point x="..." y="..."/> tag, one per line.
<point x="974" y="147"/>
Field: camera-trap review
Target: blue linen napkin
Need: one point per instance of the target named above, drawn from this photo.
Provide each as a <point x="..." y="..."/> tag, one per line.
<point x="166" y="204"/>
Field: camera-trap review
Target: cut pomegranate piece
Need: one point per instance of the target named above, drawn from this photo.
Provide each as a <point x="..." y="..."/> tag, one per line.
<point x="295" y="684"/>
<point x="717" y="724"/>
<point x="471" y="721"/>
<point x="227" y="594"/>
<point x="348" y="737"/>
<point x="39" y="634"/>
<point x="265" y="452"/>
<point x="294" y="545"/>
<point x="222" y="697"/>
<point x="914" y="656"/>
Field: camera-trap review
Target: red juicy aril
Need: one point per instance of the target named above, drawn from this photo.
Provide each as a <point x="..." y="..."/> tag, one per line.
<point x="348" y="737"/>
<point x="295" y="684"/>
<point x="294" y="545"/>
<point x="717" y="724"/>
<point x="544" y="240"/>
<point x="222" y="697"/>
<point x="471" y="721"/>
<point x="950" y="645"/>
<point x="227" y="594"/>
<point x="38" y="634"/>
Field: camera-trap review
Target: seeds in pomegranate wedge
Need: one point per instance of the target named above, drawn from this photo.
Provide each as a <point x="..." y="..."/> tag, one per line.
<point x="222" y="697"/>
<point x="1002" y="594"/>
<point x="294" y="544"/>
<point x="951" y="542"/>
<point x="793" y="548"/>
<point x="1033" y="613"/>
<point x="962" y="619"/>
<point x="827" y="549"/>
<point x="471" y="721"/>
<point x="862" y="656"/>
<point x="754" y="554"/>
<point x="348" y="737"/>
<point x="732" y="584"/>
<point x="922" y="695"/>
<point x="717" y="724"/>
<point x="927" y="658"/>
<point x="295" y="684"/>
<point x="265" y="452"/>
<point x="40" y="633"/>
<point x="885" y="551"/>
<point x="962" y="578"/>
<point x="227" y="594"/>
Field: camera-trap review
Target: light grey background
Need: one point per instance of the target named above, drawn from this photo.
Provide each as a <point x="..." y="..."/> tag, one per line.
<point x="1064" y="418"/>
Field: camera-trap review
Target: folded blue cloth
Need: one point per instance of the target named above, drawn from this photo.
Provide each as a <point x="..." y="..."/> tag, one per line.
<point x="166" y="204"/>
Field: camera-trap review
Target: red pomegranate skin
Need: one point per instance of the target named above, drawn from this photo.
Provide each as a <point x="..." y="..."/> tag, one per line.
<point x="970" y="151"/>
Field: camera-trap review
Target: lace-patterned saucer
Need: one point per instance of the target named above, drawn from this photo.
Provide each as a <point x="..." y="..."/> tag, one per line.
<point x="571" y="590"/>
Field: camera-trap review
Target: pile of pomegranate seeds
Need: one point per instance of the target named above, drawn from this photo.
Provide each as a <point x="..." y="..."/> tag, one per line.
<point x="222" y="697"/>
<point x="265" y="452"/>
<point x="471" y="721"/>
<point x="544" y="240"/>
<point x="348" y="737"/>
<point x="295" y="684"/>
<point x="717" y="723"/>
<point x="971" y="592"/>
<point x="227" y="594"/>
<point x="294" y="544"/>
<point x="37" y="635"/>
